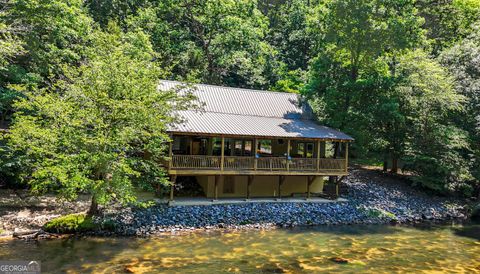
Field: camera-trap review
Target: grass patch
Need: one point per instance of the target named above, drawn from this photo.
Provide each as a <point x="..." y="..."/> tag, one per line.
<point x="379" y="213"/>
<point x="72" y="223"/>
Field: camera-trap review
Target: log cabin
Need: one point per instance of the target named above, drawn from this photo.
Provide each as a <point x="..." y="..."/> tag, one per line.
<point x="247" y="143"/>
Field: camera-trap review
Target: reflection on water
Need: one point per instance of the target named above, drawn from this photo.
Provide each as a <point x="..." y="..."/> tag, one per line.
<point x="366" y="248"/>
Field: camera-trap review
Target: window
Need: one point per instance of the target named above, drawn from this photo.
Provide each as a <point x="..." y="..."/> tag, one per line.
<point x="180" y="145"/>
<point x="247" y="150"/>
<point x="309" y="150"/>
<point x="228" y="147"/>
<point x="229" y="185"/>
<point x="238" y="148"/>
<point x="300" y="149"/>
<point x="329" y="149"/>
<point x="177" y="142"/>
<point x="265" y="147"/>
<point x="217" y="146"/>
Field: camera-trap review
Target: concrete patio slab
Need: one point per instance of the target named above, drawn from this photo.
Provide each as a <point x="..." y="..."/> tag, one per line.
<point x="184" y="201"/>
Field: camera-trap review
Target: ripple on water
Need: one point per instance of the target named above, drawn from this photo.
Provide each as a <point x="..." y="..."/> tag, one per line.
<point x="398" y="249"/>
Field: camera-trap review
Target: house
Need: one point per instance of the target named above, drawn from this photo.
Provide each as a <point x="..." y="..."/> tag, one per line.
<point x="253" y="143"/>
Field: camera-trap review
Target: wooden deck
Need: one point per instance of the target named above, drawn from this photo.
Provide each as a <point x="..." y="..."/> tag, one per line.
<point x="243" y="165"/>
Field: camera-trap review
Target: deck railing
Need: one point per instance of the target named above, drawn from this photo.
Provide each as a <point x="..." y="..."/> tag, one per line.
<point x="272" y="163"/>
<point x="261" y="164"/>
<point x="196" y="162"/>
<point x="303" y="164"/>
<point x="238" y="162"/>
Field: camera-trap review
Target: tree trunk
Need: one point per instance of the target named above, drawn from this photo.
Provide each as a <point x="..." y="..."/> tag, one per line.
<point x="93" y="210"/>
<point x="394" y="169"/>
<point x="385" y="163"/>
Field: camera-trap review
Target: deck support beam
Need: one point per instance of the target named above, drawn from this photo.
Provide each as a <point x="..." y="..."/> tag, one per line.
<point x="336" y="187"/>
<point x="215" y="190"/>
<point x="173" y="179"/>
<point x="310" y="180"/>
<point x="249" y="185"/>
<point x="281" y="180"/>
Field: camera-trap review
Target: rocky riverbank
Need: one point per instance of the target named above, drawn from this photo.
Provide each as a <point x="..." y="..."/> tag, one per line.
<point x="372" y="198"/>
<point x="22" y="213"/>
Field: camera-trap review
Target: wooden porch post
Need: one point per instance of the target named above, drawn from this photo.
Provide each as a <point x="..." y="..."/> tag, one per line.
<point x="346" y="157"/>
<point x="318" y="155"/>
<point x="222" y="161"/>
<point x="173" y="179"/>
<point x="170" y="152"/>
<point x="288" y="155"/>
<point x="249" y="184"/>
<point x="255" y="162"/>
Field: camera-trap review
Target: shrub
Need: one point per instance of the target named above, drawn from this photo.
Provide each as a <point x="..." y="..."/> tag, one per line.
<point x="378" y="213"/>
<point x="72" y="223"/>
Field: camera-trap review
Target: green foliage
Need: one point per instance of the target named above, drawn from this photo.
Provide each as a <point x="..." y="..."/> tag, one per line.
<point x="217" y="42"/>
<point x="82" y="76"/>
<point x="396" y="102"/>
<point x="116" y="11"/>
<point x="103" y="129"/>
<point x="463" y="63"/>
<point x="433" y="147"/>
<point x="448" y="22"/>
<point x="292" y="33"/>
<point x="38" y="39"/>
<point x="10" y="44"/>
<point x="73" y="223"/>
<point x="54" y="33"/>
<point x="378" y="213"/>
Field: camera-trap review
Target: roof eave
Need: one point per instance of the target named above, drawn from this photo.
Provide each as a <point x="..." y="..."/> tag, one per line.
<point x="173" y="132"/>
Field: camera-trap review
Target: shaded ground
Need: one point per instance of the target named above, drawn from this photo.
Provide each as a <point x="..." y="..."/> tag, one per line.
<point x="367" y="191"/>
<point x="20" y="210"/>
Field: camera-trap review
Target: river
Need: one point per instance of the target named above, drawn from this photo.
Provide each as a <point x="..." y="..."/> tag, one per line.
<point x="373" y="249"/>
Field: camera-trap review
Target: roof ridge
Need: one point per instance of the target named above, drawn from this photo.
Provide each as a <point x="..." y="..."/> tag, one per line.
<point x="237" y="88"/>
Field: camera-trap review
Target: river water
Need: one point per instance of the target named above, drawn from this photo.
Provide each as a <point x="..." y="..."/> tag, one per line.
<point x="372" y="249"/>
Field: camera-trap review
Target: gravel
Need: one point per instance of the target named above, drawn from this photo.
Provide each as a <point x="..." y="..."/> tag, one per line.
<point x="372" y="198"/>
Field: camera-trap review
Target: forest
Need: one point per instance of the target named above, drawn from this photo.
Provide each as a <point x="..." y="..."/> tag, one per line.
<point x="80" y="111"/>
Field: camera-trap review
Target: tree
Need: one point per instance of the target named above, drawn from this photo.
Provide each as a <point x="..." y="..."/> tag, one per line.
<point x="99" y="130"/>
<point x="52" y="34"/>
<point x="448" y="21"/>
<point x="215" y="42"/>
<point x="357" y="58"/>
<point x="118" y="11"/>
<point x="435" y="149"/>
<point x="290" y="33"/>
<point x="463" y="62"/>
<point x="293" y="34"/>
<point x="10" y="46"/>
